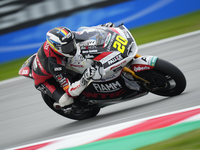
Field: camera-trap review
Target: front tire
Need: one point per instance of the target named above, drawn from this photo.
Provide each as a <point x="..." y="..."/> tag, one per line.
<point x="88" y="114"/>
<point x="166" y="79"/>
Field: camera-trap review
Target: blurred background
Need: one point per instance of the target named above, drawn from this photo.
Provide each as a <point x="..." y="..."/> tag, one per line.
<point x="24" y="23"/>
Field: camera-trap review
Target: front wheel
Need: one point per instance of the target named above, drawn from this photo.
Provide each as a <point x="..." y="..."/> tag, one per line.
<point x="165" y="79"/>
<point x="85" y="115"/>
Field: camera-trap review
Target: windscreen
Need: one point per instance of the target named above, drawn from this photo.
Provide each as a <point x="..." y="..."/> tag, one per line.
<point x="85" y="33"/>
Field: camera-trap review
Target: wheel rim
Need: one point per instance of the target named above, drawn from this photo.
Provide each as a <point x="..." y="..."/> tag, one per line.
<point x="162" y="83"/>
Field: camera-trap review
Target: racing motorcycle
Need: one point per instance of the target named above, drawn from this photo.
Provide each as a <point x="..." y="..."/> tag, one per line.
<point x="125" y="75"/>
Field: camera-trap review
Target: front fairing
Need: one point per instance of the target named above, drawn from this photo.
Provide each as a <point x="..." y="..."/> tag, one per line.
<point x="95" y="40"/>
<point x="113" y="48"/>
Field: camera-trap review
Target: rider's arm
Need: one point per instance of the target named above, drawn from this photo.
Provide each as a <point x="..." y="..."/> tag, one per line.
<point x="77" y="87"/>
<point x="72" y="89"/>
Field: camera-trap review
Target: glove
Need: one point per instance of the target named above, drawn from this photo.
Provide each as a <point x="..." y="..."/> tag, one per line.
<point x="77" y="87"/>
<point x="109" y="24"/>
<point x="89" y="73"/>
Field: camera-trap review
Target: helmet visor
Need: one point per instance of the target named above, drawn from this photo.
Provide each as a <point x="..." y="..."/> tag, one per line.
<point x="69" y="48"/>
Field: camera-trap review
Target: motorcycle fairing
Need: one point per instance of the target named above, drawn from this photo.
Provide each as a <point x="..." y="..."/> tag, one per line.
<point x="144" y="63"/>
<point x="112" y="89"/>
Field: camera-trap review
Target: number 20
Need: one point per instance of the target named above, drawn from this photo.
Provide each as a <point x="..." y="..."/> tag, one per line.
<point x="120" y="43"/>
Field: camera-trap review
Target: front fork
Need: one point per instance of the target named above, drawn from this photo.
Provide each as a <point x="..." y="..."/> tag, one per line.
<point x="126" y="69"/>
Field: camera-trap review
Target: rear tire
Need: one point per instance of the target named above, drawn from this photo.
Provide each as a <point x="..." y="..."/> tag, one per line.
<point x="88" y="114"/>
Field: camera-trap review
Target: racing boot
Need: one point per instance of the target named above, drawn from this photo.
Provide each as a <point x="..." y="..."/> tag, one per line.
<point x="57" y="106"/>
<point x="63" y="102"/>
<point x="76" y="107"/>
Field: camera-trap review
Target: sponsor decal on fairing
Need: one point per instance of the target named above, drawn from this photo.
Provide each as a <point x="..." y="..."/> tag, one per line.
<point x="138" y="68"/>
<point x="107" y="87"/>
<point x="115" y="59"/>
<point x="103" y="96"/>
<point x="89" y="51"/>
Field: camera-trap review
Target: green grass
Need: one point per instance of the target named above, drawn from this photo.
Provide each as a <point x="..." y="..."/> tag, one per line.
<point x="187" y="141"/>
<point x="144" y="34"/>
<point x="10" y="69"/>
<point x="168" y="28"/>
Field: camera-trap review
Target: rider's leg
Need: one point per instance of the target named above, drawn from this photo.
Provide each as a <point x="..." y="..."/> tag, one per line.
<point x="53" y="89"/>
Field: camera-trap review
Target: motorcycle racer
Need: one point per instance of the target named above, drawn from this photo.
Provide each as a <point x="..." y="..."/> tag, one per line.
<point x="81" y="72"/>
<point x="49" y="72"/>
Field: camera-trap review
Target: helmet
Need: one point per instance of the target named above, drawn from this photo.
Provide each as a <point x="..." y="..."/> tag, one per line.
<point x="62" y="41"/>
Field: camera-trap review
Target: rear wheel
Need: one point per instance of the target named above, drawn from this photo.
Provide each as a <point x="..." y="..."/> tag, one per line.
<point x="85" y="115"/>
<point x="166" y="79"/>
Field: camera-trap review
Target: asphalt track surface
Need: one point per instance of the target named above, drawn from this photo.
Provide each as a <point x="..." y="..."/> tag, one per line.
<point x="25" y="118"/>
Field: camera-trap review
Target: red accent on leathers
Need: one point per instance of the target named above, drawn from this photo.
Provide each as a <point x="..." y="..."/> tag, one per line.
<point x="50" y="87"/>
<point x="49" y="65"/>
<point x="41" y="67"/>
<point x="39" y="78"/>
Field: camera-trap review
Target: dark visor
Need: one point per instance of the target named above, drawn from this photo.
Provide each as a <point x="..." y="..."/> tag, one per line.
<point x="69" y="48"/>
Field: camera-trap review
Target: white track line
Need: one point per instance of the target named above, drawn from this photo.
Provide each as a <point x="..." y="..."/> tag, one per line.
<point x="140" y="47"/>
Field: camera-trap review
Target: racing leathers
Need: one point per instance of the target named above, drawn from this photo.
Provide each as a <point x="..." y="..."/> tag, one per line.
<point x="51" y="77"/>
